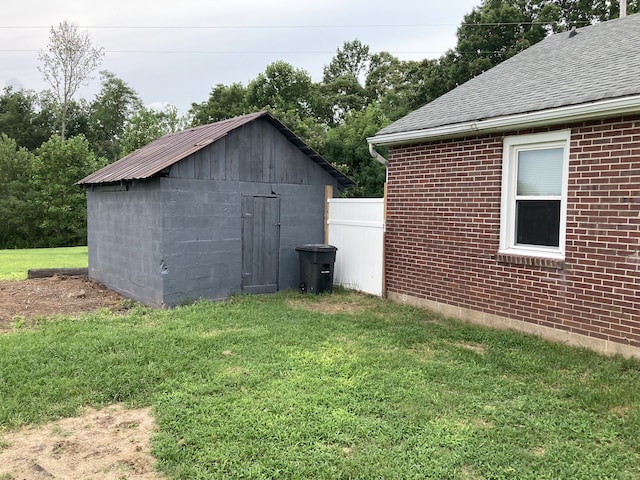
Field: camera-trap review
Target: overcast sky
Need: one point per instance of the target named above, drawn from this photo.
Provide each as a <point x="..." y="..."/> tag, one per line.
<point x="176" y="51"/>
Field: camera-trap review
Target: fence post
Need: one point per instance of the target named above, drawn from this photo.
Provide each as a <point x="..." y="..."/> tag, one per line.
<point x="384" y="243"/>
<point x="328" y="194"/>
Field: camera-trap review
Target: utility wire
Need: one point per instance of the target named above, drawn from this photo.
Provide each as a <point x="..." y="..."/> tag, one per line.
<point x="257" y="52"/>
<point x="263" y="27"/>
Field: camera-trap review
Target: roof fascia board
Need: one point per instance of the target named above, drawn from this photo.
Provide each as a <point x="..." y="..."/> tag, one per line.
<point x="571" y="113"/>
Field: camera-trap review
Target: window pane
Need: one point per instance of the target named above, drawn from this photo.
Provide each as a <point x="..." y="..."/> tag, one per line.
<point x="540" y="172"/>
<point x="538" y="222"/>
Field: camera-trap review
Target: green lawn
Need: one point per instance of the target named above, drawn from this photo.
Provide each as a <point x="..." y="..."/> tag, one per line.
<point x="332" y="387"/>
<point x="14" y="264"/>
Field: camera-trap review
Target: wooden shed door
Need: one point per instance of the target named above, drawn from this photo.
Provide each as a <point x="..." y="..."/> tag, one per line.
<point x="260" y="243"/>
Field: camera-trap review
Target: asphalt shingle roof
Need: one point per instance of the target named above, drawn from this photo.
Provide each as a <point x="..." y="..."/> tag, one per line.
<point x="599" y="62"/>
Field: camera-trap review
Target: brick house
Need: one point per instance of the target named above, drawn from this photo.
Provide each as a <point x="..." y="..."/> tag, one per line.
<point x="514" y="199"/>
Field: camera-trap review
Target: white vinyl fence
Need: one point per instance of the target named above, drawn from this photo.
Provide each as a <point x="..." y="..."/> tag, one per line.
<point x="356" y="228"/>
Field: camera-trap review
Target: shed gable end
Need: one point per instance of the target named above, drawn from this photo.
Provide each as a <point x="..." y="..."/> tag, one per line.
<point x="256" y="152"/>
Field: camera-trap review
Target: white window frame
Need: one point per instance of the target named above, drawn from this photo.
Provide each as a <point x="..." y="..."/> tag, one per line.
<point x="511" y="146"/>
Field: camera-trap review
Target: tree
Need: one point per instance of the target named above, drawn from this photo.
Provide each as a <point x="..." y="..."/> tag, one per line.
<point x="21" y="118"/>
<point x="282" y="87"/>
<point x="346" y="148"/>
<point x="343" y="79"/>
<point x="224" y="102"/>
<point x="394" y="84"/>
<point x="498" y="29"/>
<point x="352" y="59"/>
<point x="67" y="64"/>
<point x="109" y="113"/>
<point x="147" y="124"/>
<point x="495" y="31"/>
<point x="49" y="116"/>
<point x="16" y="195"/>
<point x="60" y="205"/>
<point x="578" y="13"/>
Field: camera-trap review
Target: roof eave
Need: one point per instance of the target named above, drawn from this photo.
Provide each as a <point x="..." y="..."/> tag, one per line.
<point x="570" y="113"/>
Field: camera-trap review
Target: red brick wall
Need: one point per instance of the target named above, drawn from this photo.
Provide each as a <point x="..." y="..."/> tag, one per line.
<point x="443" y="228"/>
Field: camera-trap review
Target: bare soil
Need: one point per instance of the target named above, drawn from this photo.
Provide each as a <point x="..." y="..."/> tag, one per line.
<point x="28" y="299"/>
<point x="112" y="443"/>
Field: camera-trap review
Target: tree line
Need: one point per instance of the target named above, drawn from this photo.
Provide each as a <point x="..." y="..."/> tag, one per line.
<point x="49" y="140"/>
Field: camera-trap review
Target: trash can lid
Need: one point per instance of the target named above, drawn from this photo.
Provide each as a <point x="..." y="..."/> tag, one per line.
<point x="316" y="247"/>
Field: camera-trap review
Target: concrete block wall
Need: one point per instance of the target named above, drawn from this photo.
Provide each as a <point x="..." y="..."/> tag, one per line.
<point x="301" y="222"/>
<point x="201" y="239"/>
<point x="124" y="239"/>
<point x="201" y="248"/>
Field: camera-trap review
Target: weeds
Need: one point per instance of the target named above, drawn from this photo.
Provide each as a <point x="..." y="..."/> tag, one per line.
<point x="341" y="386"/>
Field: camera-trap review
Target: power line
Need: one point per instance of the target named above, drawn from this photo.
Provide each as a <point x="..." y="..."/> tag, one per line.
<point x="207" y="52"/>
<point x="227" y="27"/>
<point x="264" y="52"/>
<point x="263" y="27"/>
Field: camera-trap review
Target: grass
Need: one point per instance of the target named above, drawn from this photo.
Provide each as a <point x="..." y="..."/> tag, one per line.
<point x="12" y="262"/>
<point x="333" y="387"/>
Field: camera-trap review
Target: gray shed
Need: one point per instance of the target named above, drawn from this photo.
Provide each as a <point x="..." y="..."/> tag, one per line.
<point x="208" y="212"/>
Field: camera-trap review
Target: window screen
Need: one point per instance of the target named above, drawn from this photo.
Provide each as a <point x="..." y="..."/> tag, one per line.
<point x="538" y="193"/>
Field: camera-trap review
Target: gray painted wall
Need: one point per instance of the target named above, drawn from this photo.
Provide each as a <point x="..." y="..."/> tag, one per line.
<point x="124" y="239"/>
<point x="168" y="240"/>
<point x="202" y="234"/>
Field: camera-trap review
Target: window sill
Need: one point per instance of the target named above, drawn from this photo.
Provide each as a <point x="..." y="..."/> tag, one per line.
<point x="518" y="259"/>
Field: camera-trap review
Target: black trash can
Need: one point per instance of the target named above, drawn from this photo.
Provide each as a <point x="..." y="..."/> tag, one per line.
<point x="316" y="267"/>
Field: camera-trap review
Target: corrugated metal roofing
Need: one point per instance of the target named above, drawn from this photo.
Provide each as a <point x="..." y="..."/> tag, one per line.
<point x="170" y="149"/>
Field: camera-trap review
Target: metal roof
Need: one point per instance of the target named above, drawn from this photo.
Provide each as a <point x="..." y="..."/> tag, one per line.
<point x="596" y="62"/>
<point x="160" y="154"/>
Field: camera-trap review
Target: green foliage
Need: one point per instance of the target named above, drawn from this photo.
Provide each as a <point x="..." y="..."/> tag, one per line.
<point x="16" y="196"/>
<point x="15" y="263"/>
<point x="346" y="147"/>
<point x="20" y="118"/>
<point x="76" y="116"/>
<point x="336" y="386"/>
<point x="308" y="128"/>
<point x="224" y="102"/>
<point x="351" y="59"/>
<point x="282" y="87"/>
<point x="578" y="13"/>
<point x="498" y="29"/>
<point x="109" y="112"/>
<point x="343" y="78"/>
<point x="389" y="84"/>
<point x="60" y="205"/>
<point x="148" y="124"/>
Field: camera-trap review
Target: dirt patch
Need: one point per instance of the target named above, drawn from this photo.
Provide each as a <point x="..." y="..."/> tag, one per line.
<point x="353" y="302"/>
<point x="58" y="295"/>
<point x="112" y="443"/>
<point x="479" y="349"/>
<point x="329" y="307"/>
